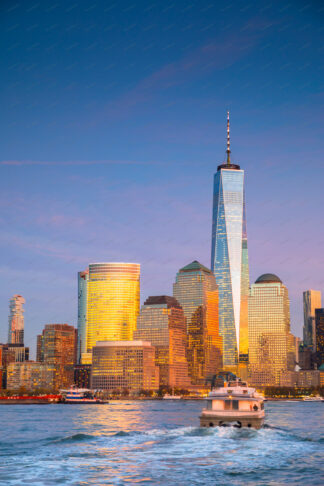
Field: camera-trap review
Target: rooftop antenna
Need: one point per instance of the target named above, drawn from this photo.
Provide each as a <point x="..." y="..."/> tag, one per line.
<point x="228" y="150"/>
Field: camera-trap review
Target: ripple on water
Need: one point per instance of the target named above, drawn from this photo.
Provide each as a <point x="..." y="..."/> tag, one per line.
<point x="134" y="444"/>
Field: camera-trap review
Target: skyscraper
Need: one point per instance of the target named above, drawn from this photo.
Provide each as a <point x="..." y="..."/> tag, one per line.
<point x="163" y="324"/>
<point x="83" y="278"/>
<point x="319" y="330"/>
<point x="270" y="351"/>
<point x="196" y="291"/>
<point x="311" y="301"/>
<point x="229" y="259"/>
<point x="16" y="320"/>
<point x="59" y="344"/>
<point x="113" y="302"/>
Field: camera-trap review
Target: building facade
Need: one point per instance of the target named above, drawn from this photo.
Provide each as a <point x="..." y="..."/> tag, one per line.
<point x="59" y="350"/>
<point x="271" y="345"/>
<point x="311" y="301"/>
<point x="163" y="324"/>
<point x="113" y="304"/>
<point x="11" y="353"/>
<point x="29" y="376"/>
<point x="229" y="260"/>
<point x="83" y="278"/>
<point x="319" y="336"/>
<point x="16" y="320"/>
<point x="124" y="365"/>
<point x="196" y="291"/>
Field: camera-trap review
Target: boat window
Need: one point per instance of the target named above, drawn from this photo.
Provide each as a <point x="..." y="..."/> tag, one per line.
<point x="235" y="404"/>
<point x="262" y="405"/>
<point x="227" y="404"/>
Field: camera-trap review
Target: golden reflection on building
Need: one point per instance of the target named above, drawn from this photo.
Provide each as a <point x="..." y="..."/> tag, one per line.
<point x="272" y="348"/>
<point x="196" y="291"/>
<point x="162" y="322"/>
<point x="113" y="301"/>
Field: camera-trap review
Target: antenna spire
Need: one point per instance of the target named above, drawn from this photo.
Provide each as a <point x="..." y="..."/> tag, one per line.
<point x="228" y="150"/>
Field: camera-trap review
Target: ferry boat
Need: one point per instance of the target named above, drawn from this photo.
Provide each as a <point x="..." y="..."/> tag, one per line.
<point x="81" y="395"/>
<point x="317" y="398"/>
<point x="171" y="397"/>
<point x="234" y="403"/>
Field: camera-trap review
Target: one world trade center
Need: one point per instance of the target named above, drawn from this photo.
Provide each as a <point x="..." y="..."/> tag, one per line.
<point x="229" y="259"/>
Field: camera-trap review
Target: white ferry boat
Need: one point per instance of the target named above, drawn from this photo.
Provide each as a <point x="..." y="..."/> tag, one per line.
<point x="317" y="398"/>
<point x="171" y="397"/>
<point x="235" y="403"/>
<point x="81" y="395"/>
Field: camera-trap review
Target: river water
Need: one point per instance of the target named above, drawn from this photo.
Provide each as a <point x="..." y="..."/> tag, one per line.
<point x="158" y="443"/>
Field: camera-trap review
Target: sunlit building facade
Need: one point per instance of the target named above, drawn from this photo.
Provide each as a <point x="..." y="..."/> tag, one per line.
<point x="163" y="324"/>
<point x="113" y="304"/>
<point x="59" y="351"/>
<point x="311" y="301"/>
<point x="124" y="365"/>
<point x="229" y="260"/>
<point x="16" y="320"/>
<point x="29" y="376"/>
<point x="83" y="278"/>
<point x="196" y="291"/>
<point x="271" y="345"/>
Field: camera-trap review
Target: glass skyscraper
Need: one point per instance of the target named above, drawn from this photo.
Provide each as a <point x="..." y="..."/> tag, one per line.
<point x="16" y="320"/>
<point x="311" y="301"/>
<point x="271" y="351"/>
<point x="83" y="278"/>
<point x="112" y="306"/>
<point x="196" y="291"/>
<point x="229" y="259"/>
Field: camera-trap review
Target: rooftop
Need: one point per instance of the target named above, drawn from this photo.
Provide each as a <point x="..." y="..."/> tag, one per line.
<point x="268" y="278"/>
<point x="194" y="266"/>
<point x="162" y="299"/>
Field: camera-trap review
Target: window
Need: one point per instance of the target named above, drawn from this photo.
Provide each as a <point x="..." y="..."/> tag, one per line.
<point x="235" y="404"/>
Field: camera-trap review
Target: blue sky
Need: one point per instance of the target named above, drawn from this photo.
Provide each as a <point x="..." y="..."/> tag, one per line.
<point x="113" y="122"/>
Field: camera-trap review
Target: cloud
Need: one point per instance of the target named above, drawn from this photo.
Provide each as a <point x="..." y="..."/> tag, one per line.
<point x="75" y="162"/>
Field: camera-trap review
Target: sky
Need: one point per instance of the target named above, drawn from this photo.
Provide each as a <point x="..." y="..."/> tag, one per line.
<point x="113" y="122"/>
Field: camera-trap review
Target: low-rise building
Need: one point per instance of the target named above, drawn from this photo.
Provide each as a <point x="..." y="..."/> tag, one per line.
<point x="29" y="375"/>
<point x="120" y="365"/>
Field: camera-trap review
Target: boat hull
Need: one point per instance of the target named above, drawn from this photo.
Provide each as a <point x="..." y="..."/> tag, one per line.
<point x="213" y="419"/>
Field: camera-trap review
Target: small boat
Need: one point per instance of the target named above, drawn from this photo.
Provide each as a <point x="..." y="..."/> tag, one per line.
<point x="317" y="398"/>
<point x="234" y="403"/>
<point x="81" y="395"/>
<point x="171" y="397"/>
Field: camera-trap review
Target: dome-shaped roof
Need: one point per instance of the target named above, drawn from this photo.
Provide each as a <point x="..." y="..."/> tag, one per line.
<point x="268" y="278"/>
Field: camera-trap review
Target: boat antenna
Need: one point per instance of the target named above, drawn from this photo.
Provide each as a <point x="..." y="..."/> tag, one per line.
<point x="228" y="150"/>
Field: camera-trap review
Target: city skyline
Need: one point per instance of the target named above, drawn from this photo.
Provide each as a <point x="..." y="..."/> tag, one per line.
<point x="112" y="158"/>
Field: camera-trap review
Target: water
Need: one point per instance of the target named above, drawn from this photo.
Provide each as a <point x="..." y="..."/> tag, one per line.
<point x="158" y="443"/>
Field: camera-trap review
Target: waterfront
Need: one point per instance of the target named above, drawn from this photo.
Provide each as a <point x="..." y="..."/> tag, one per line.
<point x="158" y="442"/>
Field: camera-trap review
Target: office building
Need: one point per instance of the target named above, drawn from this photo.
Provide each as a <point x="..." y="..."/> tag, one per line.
<point x="124" y="365"/>
<point x="16" y="320"/>
<point x="163" y="324"/>
<point x="58" y="350"/>
<point x="196" y="291"/>
<point x="11" y="353"/>
<point x="311" y="301"/>
<point x="271" y="348"/>
<point x="29" y="376"/>
<point x="113" y="304"/>
<point x="82" y="375"/>
<point x="319" y="336"/>
<point x="83" y="278"/>
<point x="229" y="260"/>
